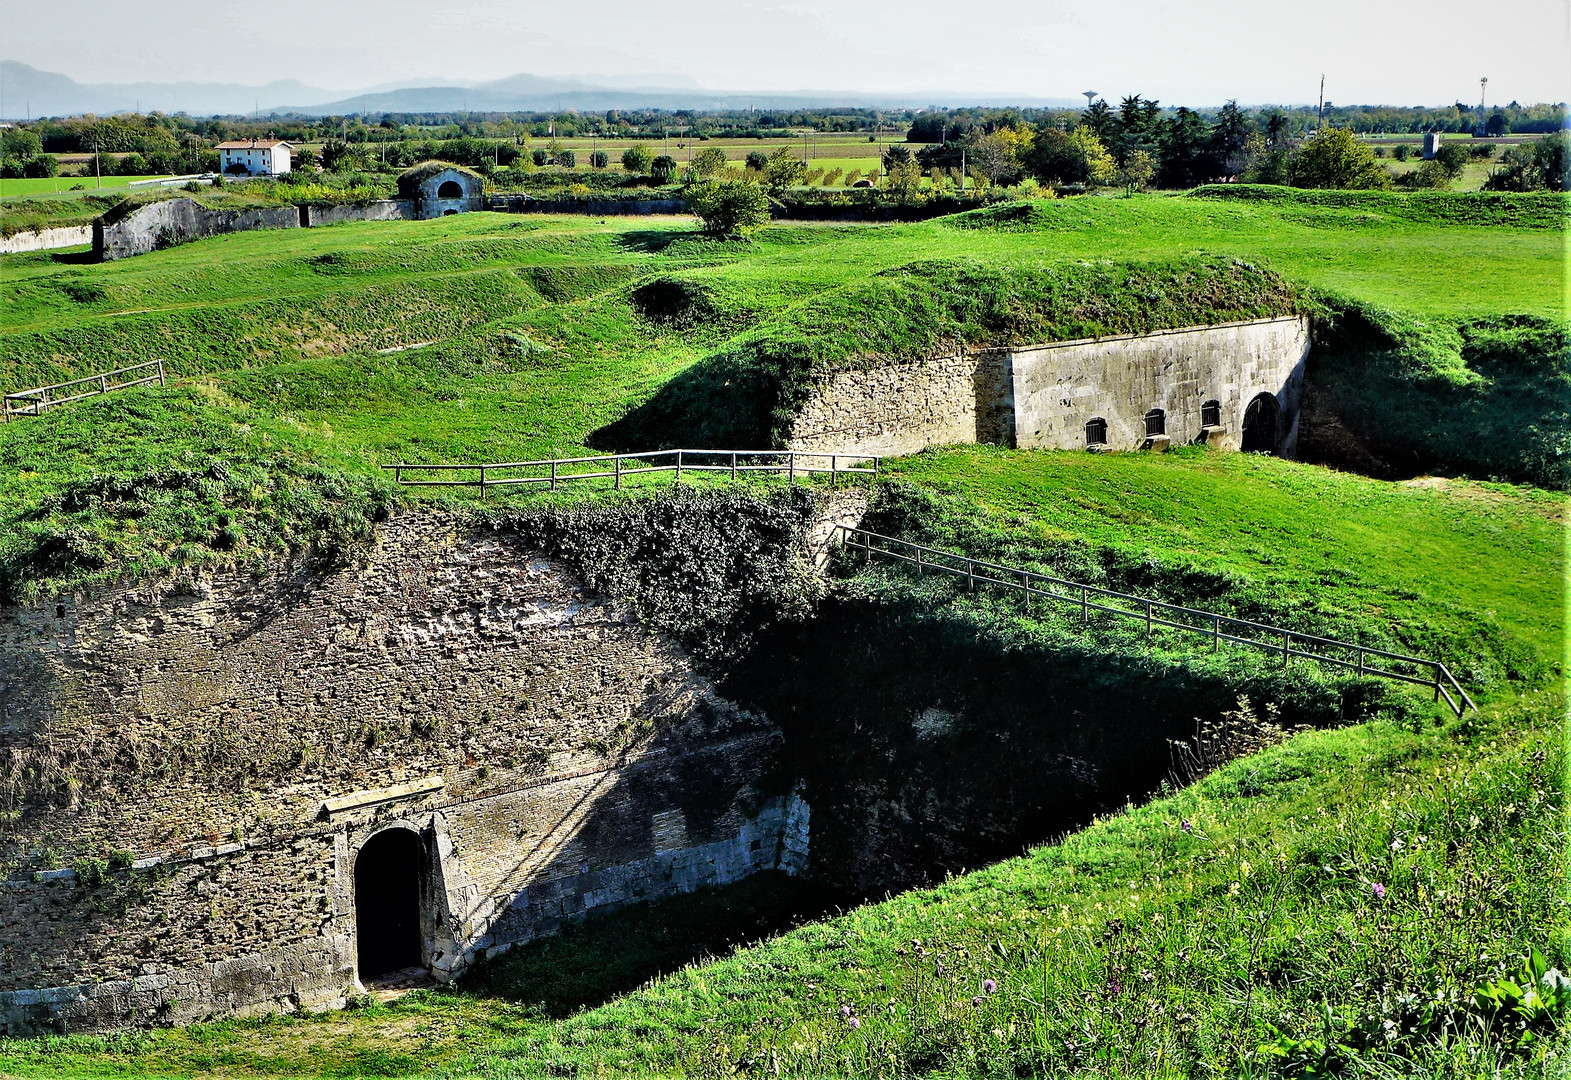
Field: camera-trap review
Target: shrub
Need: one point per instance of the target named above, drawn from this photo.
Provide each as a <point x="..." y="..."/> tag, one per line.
<point x="41" y="166"/>
<point x="1452" y="157"/>
<point x="663" y="169"/>
<point x="566" y="158"/>
<point x="784" y="169"/>
<point x="131" y="165"/>
<point x="637" y="159"/>
<point x="709" y="163"/>
<point x="1335" y="158"/>
<point x="599" y="159"/>
<point x="728" y="207"/>
<point x="540" y="157"/>
<point x="1402" y="152"/>
<point x="757" y="160"/>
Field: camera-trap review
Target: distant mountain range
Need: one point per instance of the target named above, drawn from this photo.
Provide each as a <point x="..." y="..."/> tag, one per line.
<point x="26" y="92"/>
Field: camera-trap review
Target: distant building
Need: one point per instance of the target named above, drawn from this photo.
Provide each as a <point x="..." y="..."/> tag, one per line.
<point x="439" y="188"/>
<point x="254" y="157"/>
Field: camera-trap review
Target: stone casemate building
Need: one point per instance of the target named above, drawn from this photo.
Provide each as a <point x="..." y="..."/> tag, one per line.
<point x="230" y="793"/>
<point x="1233" y="386"/>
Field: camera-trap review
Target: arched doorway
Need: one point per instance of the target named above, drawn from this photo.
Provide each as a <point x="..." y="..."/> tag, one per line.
<point x="1260" y="425"/>
<point x="387" y="902"/>
<point x="449" y="212"/>
<point x="450" y="189"/>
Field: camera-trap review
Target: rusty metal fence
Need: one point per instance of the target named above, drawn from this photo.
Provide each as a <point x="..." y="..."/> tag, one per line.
<point x="1218" y="629"/>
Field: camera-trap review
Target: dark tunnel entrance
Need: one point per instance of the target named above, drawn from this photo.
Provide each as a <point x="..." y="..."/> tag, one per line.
<point x="1260" y="425"/>
<point x="387" y="903"/>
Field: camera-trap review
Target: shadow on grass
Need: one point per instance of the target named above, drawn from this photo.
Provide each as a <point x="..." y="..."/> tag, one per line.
<point x="592" y="962"/>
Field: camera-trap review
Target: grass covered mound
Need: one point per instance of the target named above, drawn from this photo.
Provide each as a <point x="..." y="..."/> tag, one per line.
<point x="1483" y="209"/>
<point x="150" y="483"/>
<point x="1393" y="395"/>
<point x="747" y="393"/>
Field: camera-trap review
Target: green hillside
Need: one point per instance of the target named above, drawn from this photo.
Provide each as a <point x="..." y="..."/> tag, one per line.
<point x="1228" y="927"/>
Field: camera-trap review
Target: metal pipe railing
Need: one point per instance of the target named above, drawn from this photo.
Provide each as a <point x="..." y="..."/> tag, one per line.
<point x="615" y="467"/>
<point x="1159" y="613"/>
<point x="33" y="402"/>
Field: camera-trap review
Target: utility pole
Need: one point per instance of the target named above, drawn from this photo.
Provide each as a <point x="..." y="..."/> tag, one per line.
<point x="1483" y="85"/>
<point x="1321" y="116"/>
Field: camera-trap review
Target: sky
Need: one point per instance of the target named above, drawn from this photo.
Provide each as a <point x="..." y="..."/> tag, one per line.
<point x="1198" y="52"/>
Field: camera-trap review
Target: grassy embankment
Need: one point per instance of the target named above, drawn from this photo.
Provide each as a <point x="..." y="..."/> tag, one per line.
<point x="537" y="345"/>
<point x="519" y="338"/>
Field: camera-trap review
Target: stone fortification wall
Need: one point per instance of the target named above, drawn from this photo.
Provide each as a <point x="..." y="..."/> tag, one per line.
<point x="899" y="408"/>
<point x="383" y="210"/>
<point x="597" y="207"/>
<point x="1044" y="395"/>
<point x="46" y="239"/>
<point x="1057" y="388"/>
<point x="174" y="221"/>
<point x="188" y="770"/>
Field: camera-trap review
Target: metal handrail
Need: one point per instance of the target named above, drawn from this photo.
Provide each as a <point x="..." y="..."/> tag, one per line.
<point x="1032" y="584"/>
<point x="33" y="402"/>
<point x="613" y="467"/>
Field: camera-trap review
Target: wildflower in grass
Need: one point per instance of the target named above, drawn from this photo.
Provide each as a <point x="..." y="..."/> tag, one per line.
<point x="845" y="1012"/>
<point x="1397" y="845"/>
<point x="976" y="1000"/>
<point x="1186" y="826"/>
<point x="853" y="1022"/>
<point x="1379" y="890"/>
<point x="989" y="986"/>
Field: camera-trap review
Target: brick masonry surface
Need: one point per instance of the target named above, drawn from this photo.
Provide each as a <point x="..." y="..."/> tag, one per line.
<point x="191" y="766"/>
<point x="1044" y="395"/>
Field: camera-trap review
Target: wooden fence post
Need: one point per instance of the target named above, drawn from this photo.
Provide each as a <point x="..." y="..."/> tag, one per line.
<point x="553" y="474"/>
<point x="482" y="481"/>
<point x="834" y="466"/>
<point x="733" y="464"/>
<point x="679" y="466"/>
<point x="791" y="466"/>
<point x="616" y="464"/>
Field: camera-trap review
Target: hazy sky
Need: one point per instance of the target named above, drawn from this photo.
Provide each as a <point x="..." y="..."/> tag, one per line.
<point x="1181" y="51"/>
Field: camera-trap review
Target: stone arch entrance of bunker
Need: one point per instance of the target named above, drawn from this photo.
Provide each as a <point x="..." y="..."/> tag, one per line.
<point x="1260" y="425"/>
<point x="387" y="903"/>
<point x="450" y="190"/>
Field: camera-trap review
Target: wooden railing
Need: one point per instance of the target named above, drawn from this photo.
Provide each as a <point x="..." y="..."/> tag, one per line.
<point x="33" y="402"/>
<point x="620" y="468"/>
<point x="1289" y="644"/>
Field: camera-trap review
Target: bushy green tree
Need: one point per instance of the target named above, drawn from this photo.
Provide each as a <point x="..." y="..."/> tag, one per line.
<point x="784" y="169"/>
<point x="757" y="160"/>
<point x="41" y="166"/>
<point x="710" y="162"/>
<point x="733" y="208"/>
<point x="1452" y="156"/>
<point x="1533" y="166"/>
<point x="20" y="143"/>
<point x="637" y="158"/>
<point x="1335" y="158"/>
<point x="1136" y="173"/>
<point x="663" y="169"/>
<point x="599" y="159"/>
<point x="904" y="182"/>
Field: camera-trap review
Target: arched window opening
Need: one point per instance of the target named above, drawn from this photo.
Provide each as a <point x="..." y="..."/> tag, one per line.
<point x="1211" y="414"/>
<point x="450" y="189"/>
<point x="1096" y="431"/>
<point x="387" y="903"/>
<point x="1260" y="424"/>
<point x="1156" y="423"/>
<point x="449" y="212"/>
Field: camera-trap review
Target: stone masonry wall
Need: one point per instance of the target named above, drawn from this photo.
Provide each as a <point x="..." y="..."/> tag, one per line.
<point x="174" y="221"/>
<point x="188" y="769"/>
<point x="1043" y="395"/>
<point x="1058" y="387"/>
<point x="899" y="408"/>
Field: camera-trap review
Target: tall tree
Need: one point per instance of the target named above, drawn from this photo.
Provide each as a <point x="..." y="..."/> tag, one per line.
<point x="1099" y="117"/>
<point x="1231" y="139"/>
<point x="1184" y="143"/>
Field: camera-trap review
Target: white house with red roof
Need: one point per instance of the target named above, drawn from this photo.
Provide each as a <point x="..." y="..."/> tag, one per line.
<point x="254" y="157"/>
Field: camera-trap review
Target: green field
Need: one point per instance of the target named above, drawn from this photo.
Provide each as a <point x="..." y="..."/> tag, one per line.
<point x="307" y="359"/>
<point x="62" y="186"/>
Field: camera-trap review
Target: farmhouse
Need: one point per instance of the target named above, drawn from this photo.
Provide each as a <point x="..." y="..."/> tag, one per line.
<point x="254" y="157"/>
